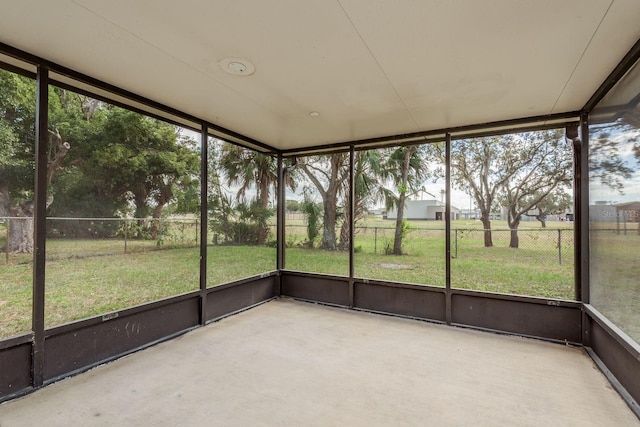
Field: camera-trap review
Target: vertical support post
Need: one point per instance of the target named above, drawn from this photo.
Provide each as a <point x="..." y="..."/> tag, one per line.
<point x="581" y="217"/>
<point x="579" y="174"/>
<point x="560" y="246"/>
<point x="204" y="183"/>
<point x="352" y="209"/>
<point x="39" y="223"/>
<point x="448" y="228"/>
<point x="280" y="223"/>
<point x="581" y="224"/>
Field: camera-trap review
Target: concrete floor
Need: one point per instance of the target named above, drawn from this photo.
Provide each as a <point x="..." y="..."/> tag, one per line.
<point x="289" y="363"/>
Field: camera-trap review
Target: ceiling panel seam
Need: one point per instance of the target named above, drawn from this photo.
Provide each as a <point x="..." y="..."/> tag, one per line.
<point x="169" y="54"/>
<point x="129" y="99"/>
<point x="364" y="42"/>
<point x="134" y="35"/>
<point x="584" y="51"/>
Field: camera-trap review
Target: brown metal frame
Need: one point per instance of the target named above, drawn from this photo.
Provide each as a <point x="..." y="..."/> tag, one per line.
<point x="352" y="208"/>
<point x="44" y="355"/>
<point x="618" y="72"/>
<point x="152" y="105"/>
<point x="613" y="352"/>
<point x="204" y="220"/>
<point x="541" y="318"/>
<point x="447" y="249"/>
<point x="42" y="133"/>
<point x="280" y="226"/>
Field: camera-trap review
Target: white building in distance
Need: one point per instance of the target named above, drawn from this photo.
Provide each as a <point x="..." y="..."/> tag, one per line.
<point x="424" y="209"/>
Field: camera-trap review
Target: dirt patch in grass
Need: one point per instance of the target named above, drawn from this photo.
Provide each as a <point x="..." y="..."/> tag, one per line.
<point x="396" y="266"/>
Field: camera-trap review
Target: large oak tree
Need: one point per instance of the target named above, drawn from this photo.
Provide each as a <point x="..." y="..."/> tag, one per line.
<point x="101" y="160"/>
<point x="516" y="171"/>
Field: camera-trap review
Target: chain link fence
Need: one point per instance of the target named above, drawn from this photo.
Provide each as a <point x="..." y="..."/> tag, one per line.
<point x="85" y="237"/>
<point x="536" y="245"/>
<point x="105" y="236"/>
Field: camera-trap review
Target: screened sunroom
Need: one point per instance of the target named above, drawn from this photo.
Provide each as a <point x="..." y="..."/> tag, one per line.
<point x="354" y="213"/>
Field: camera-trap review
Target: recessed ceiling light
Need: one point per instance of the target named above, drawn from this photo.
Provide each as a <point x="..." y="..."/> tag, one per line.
<point x="314" y="114"/>
<point x="237" y="66"/>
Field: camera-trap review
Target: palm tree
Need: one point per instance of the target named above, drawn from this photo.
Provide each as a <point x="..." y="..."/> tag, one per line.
<point x="247" y="168"/>
<point x="406" y="168"/>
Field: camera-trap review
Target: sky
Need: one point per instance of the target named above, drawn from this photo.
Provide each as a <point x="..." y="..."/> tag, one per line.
<point x="631" y="191"/>
<point x="433" y="188"/>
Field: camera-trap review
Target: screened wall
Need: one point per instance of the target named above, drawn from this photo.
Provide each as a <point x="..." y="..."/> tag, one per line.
<point x="400" y="227"/>
<point x="516" y="237"/>
<point x="112" y="213"/>
<point x="614" y="204"/>
<point x="506" y="200"/>
<point x="122" y="210"/>
<point x="241" y="210"/>
<point x="17" y="162"/>
<point x="124" y="203"/>
<point x="318" y="218"/>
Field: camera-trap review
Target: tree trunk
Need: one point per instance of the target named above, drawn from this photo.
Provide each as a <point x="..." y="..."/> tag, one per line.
<point x="543" y="220"/>
<point x="397" y="238"/>
<point x="486" y="224"/>
<point x="263" y="198"/>
<point x="329" y="198"/>
<point x="21" y="235"/>
<point x="404" y="180"/>
<point x="20" y="227"/>
<point x="345" y="228"/>
<point x="514" y="241"/>
<point x="513" y="226"/>
<point x="155" y="225"/>
<point x="345" y="234"/>
<point x="329" y="225"/>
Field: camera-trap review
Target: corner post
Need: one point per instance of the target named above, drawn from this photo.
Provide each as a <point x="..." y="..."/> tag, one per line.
<point x="581" y="226"/>
<point x="352" y="209"/>
<point x="448" y="228"/>
<point x="39" y="223"/>
<point x="204" y="180"/>
<point x="280" y="225"/>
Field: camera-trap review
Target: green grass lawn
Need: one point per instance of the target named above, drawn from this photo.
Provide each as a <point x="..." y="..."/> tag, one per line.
<point x="79" y="287"/>
<point x="537" y="268"/>
<point x="615" y="288"/>
<point x="91" y="277"/>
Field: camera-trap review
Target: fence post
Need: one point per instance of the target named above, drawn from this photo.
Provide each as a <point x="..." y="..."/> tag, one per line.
<point x="196" y="230"/>
<point x="375" y="240"/>
<point x="126" y="227"/>
<point x="559" y="246"/>
<point x="7" y="243"/>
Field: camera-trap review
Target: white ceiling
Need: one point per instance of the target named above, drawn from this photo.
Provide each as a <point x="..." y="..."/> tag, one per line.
<point x="370" y="67"/>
